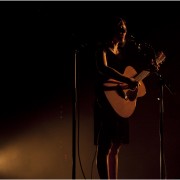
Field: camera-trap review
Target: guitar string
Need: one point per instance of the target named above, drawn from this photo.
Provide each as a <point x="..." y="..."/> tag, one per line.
<point x="142" y="75"/>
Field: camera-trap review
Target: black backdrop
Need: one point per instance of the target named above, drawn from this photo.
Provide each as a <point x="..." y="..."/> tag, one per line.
<point x="38" y="40"/>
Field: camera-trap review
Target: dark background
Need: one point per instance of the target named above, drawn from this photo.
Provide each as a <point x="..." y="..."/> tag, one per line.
<point x="38" y="45"/>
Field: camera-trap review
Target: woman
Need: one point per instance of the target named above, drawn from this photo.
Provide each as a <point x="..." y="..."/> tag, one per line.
<point x="112" y="130"/>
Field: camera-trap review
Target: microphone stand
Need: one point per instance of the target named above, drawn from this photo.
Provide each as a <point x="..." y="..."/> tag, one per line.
<point x="145" y="46"/>
<point x="161" y="123"/>
<point x="77" y="46"/>
<point x="74" y="117"/>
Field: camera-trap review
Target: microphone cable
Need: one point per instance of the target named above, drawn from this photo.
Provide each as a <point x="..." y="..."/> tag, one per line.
<point x="78" y="126"/>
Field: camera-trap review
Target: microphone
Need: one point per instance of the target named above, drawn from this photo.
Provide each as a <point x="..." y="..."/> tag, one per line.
<point x="78" y="42"/>
<point x="143" y="47"/>
<point x="131" y="38"/>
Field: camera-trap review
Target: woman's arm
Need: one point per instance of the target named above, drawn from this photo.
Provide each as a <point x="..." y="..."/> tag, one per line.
<point x="109" y="72"/>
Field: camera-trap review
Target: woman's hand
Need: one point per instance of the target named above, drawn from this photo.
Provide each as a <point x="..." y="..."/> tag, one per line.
<point x="133" y="84"/>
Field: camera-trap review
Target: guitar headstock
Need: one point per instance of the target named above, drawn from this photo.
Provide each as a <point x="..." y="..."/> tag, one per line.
<point x="160" y="58"/>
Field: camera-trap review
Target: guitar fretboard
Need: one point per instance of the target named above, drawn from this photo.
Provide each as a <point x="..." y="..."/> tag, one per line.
<point x="142" y="75"/>
<point x="160" y="58"/>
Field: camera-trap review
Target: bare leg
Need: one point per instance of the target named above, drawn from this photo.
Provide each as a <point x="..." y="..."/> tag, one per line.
<point x="113" y="161"/>
<point x="102" y="159"/>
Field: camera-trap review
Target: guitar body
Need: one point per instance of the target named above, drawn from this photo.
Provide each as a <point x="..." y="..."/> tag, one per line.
<point x="121" y="98"/>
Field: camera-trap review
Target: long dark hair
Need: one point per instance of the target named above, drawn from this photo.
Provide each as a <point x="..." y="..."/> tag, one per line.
<point x="112" y="27"/>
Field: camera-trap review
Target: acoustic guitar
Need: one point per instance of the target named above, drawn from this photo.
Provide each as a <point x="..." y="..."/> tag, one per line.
<point x="121" y="97"/>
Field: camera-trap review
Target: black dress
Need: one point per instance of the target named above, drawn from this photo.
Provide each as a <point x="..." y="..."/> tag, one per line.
<point x="108" y="125"/>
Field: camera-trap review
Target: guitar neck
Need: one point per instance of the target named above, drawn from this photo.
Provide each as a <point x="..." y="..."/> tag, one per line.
<point x="142" y="75"/>
<point x="159" y="59"/>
